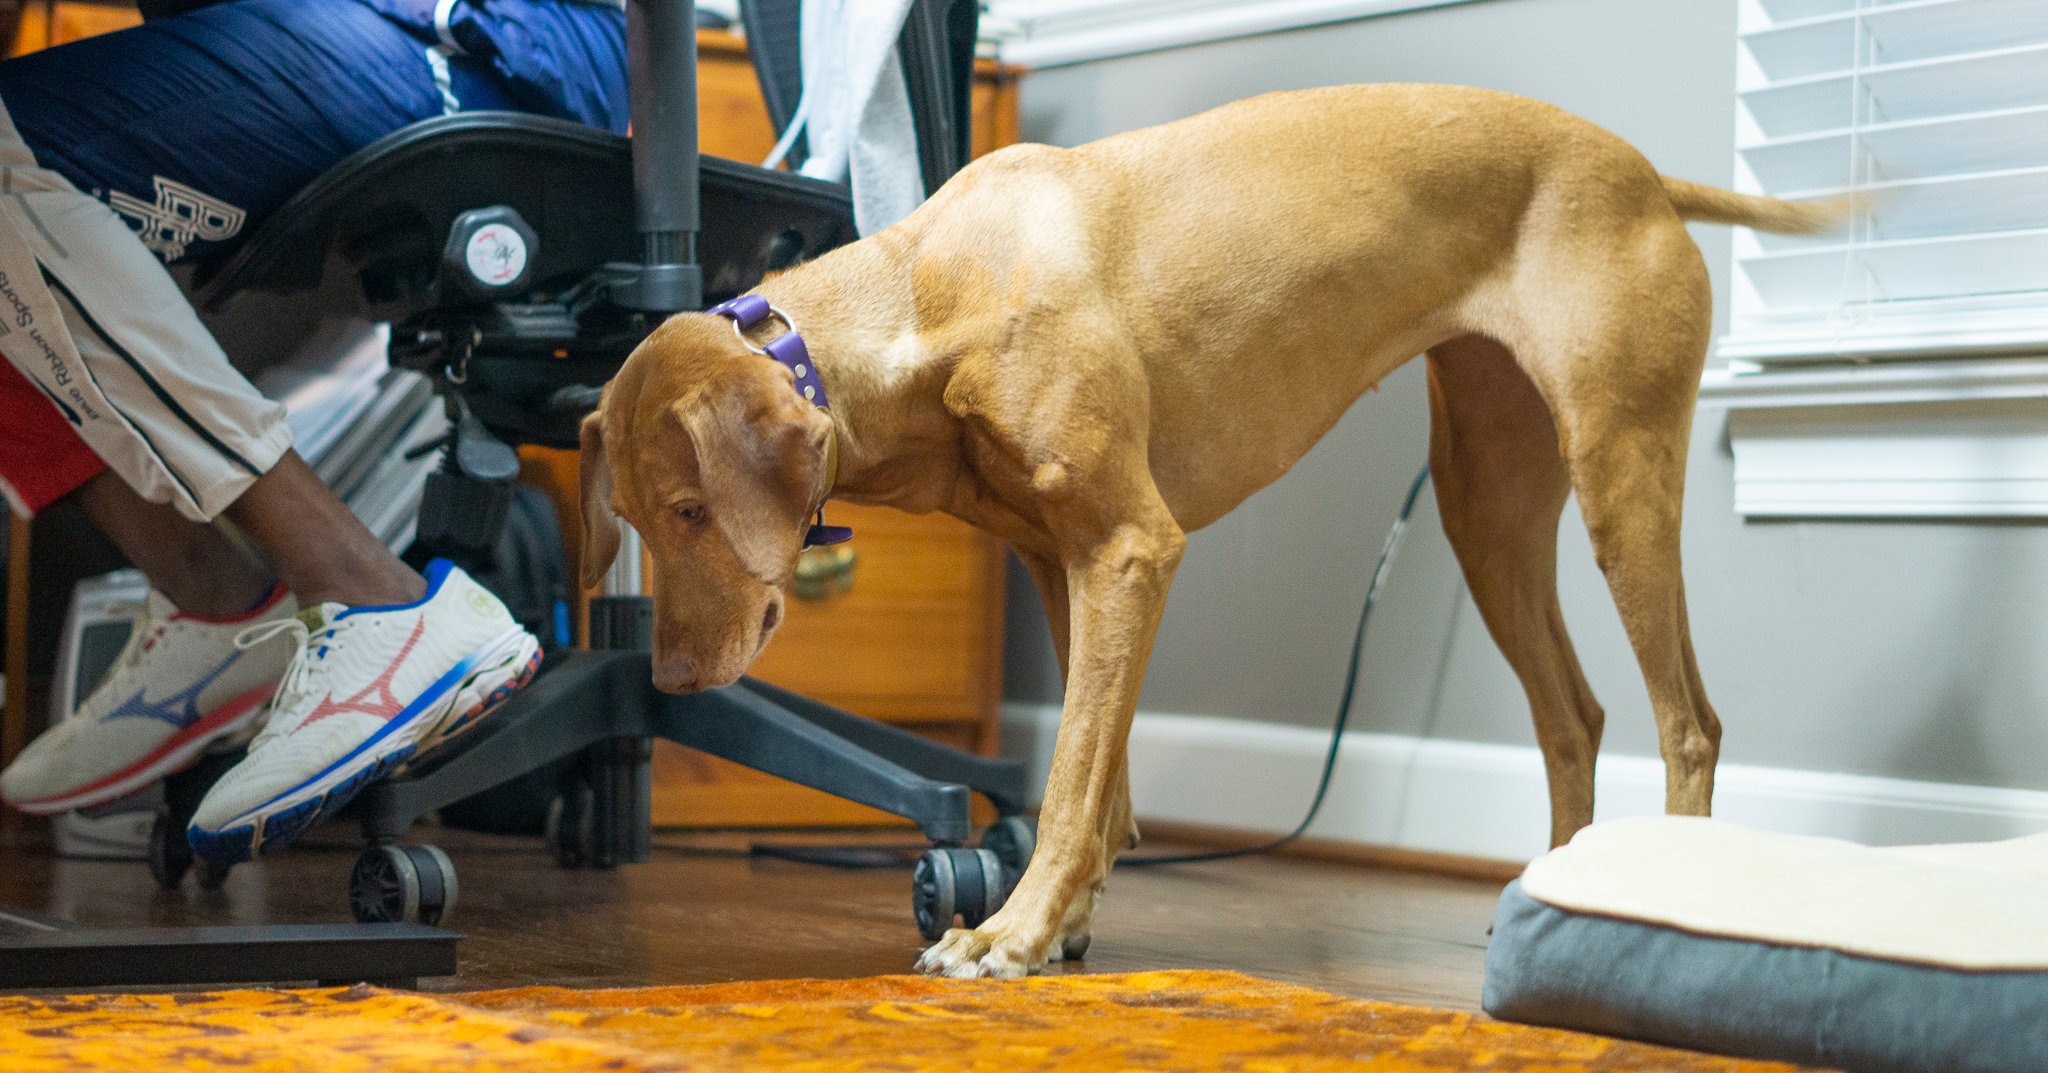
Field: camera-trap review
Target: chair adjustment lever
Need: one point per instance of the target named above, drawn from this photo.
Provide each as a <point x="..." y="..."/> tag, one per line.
<point x="463" y="508"/>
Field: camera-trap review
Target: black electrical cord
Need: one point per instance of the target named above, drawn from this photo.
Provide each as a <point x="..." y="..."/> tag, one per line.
<point x="1372" y="592"/>
<point x="856" y="857"/>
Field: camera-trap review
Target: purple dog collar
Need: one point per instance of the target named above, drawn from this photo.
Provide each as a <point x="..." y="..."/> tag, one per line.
<point x="749" y="310"/>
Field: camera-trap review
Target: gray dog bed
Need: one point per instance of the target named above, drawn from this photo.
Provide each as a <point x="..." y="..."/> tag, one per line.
<point x="1700" y="934"/>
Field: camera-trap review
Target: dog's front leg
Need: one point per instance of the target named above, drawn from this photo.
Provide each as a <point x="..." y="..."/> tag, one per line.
<point x="1119" y="833"/>
<point x="1116" y="591"/>
<point x="1120" y="830"/>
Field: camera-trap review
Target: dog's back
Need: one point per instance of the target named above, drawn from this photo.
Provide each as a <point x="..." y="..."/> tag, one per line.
<point x="1267" y="262"/>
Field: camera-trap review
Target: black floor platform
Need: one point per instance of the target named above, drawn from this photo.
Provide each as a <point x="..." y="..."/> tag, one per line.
<point x="47" y="952"/>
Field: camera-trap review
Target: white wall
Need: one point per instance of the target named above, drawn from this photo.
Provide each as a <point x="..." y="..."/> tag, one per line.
<point x="1909" y="651"/>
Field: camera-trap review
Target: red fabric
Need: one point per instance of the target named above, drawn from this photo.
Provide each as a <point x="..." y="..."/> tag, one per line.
<point x="40" y="456"/>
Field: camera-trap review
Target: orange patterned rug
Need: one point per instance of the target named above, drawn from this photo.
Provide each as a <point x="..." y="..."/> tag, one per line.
<point x="1152" y="1021"/>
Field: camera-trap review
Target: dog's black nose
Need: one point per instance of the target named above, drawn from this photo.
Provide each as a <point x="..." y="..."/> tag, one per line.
<point x="770" y="617"/>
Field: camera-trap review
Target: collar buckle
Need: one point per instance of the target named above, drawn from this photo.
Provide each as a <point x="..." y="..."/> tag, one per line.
<point x="748" y="311"/>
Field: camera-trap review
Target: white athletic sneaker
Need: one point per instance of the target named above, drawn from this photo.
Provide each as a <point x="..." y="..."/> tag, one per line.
<point x="368" y="688"/>
<point x="179" y="685"/>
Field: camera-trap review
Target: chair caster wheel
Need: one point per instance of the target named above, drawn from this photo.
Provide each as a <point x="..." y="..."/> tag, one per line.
<point x="1012" y="839"/>
<point x="402" y="884"/>
<point x="572" y="826"/>
<point x="949" y="882"/>
<point x="170" y="855"/>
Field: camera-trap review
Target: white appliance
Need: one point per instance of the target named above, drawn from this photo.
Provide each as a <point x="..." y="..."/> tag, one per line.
<point x="96" y="628"/>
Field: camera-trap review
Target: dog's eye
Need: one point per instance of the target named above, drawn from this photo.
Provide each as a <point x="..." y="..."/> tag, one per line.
<point x="693" y="513"/>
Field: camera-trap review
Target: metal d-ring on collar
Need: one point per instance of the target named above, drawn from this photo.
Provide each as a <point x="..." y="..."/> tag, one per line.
<point x="748" y="311"/>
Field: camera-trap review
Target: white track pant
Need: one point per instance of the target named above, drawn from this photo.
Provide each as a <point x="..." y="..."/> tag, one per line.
<point x="90" y="316"/>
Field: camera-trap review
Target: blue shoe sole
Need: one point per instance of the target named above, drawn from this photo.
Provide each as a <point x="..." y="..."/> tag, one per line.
<point x="236" y="845"/>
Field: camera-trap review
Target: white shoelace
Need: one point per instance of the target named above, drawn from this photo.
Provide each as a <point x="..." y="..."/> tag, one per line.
<point x="306" y="662"/>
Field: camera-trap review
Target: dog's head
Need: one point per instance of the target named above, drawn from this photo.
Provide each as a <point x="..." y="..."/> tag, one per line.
<point x="707" y="449"/>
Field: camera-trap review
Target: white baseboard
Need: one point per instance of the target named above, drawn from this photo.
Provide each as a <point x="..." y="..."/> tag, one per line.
<point x="1480" y="800"/>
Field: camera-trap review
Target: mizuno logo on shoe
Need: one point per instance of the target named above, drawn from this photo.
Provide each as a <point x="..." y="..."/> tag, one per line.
<point x="180" y="709"/>
<point x="375" y="699"/>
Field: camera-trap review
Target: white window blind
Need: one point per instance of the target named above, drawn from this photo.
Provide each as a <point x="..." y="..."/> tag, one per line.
<point x="1937" y="110"/>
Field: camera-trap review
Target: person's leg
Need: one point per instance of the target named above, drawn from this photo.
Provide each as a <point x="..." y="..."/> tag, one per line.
<point x="201" y="569"/>
<point x="318" y="546"/>
<point x="376" y="662"/>
<point x="206" y="572"/>
<point x="183" y="682"/>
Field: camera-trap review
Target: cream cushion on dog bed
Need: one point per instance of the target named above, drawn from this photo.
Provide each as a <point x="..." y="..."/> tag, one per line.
<point x="1979" y="905"/>
<point x="1690" y="931"/>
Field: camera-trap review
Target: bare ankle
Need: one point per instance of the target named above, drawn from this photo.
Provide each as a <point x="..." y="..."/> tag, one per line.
<point x="376" y="586"/>
<point x="227" y="600"/>
<point x="321" y="549"/>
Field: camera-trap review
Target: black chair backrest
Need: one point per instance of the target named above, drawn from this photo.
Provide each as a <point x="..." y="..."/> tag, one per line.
<point x="937" y="52"/>
<point x="774" y="44"/>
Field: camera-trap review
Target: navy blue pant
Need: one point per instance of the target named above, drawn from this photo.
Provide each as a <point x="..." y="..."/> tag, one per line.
<point x="195" y="128"/>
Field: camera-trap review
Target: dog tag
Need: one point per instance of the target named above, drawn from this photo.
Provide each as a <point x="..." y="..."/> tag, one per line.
<point x="821" y="535"/>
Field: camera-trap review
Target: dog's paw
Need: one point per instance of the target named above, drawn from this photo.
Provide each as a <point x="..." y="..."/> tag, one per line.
<point x="970" y="954"/>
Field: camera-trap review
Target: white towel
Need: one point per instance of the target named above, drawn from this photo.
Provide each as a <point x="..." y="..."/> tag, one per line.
<point x="856" y="111"/>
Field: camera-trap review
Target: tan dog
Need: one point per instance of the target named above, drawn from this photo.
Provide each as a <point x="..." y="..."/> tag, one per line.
<point x="1090" y="352"/>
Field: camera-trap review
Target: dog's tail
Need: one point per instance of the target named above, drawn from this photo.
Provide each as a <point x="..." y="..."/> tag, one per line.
<point x="1715" y="206"/>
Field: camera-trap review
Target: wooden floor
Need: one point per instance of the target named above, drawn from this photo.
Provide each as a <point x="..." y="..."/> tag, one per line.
<point x="693" y="917"/>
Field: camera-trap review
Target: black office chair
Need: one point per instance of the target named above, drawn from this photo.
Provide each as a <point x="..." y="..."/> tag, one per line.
<point x="614" y="240"/>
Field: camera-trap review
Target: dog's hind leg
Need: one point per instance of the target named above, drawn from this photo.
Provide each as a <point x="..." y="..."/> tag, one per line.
<point x="1501" y="484"/>
<point x="1622" y="377"/>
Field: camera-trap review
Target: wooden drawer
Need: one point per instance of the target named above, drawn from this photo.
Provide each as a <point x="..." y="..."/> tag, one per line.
<point x="916" y="641"/>
<point x="914" y="638"/>
<point x="44" y="24"/>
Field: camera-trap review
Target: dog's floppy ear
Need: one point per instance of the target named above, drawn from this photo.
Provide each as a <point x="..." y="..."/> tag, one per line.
<point x="761" y="460"/>
<point x="600" y="525"/>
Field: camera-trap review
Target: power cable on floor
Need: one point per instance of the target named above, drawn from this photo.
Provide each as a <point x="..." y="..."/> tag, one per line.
<point x="1372" y="592"/>
<point x="902" y="856"/>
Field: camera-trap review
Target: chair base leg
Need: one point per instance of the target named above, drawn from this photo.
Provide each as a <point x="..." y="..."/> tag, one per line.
<point x="582" y="699"/>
